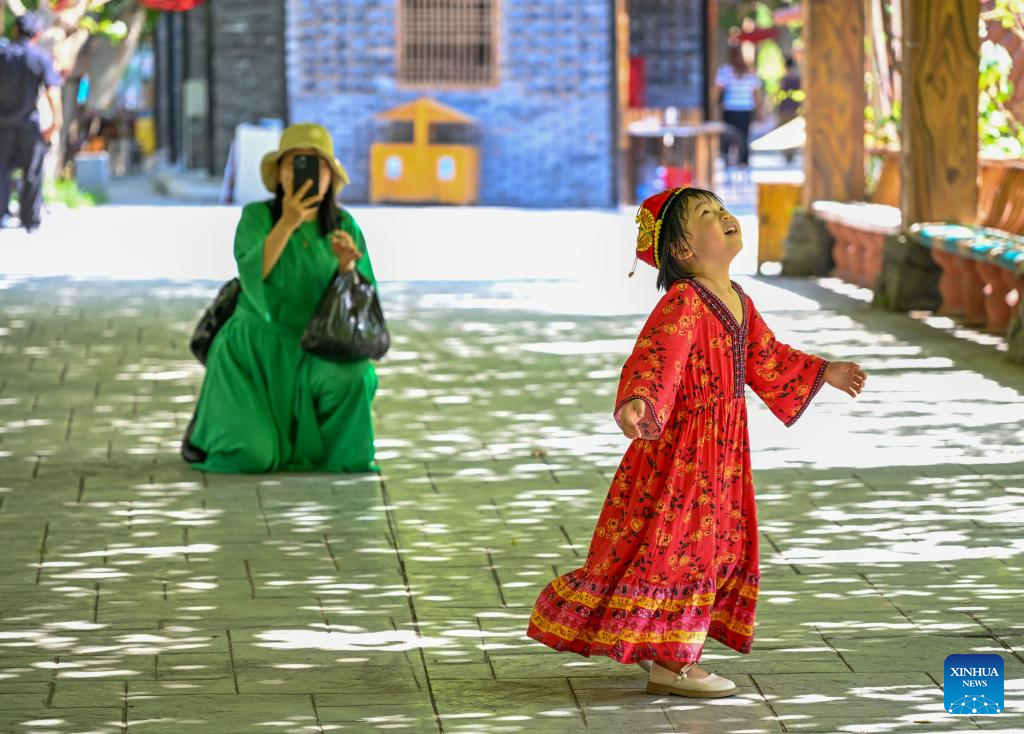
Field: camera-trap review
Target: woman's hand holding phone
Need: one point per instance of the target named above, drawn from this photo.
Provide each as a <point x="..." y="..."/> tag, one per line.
<point x="296" y="207"/>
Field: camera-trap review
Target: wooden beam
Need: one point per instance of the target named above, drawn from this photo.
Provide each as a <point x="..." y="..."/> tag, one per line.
<point x="834" y="82"/>
<point x="939" y="139"/>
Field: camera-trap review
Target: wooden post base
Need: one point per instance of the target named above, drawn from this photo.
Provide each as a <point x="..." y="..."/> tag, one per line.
<point x="909" y="278"/>
<point x="808" y="247"/>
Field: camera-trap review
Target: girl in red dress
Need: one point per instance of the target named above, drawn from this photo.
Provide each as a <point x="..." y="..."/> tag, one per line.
<point x="674" y="558"/>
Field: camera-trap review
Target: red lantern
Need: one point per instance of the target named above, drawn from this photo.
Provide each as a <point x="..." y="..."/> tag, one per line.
<point x="174" y="6"/>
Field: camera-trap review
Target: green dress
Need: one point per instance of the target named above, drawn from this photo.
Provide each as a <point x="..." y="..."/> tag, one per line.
<point x="267" y="405"/>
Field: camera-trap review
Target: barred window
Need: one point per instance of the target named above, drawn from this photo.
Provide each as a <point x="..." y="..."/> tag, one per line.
<point x="448" y="42"/>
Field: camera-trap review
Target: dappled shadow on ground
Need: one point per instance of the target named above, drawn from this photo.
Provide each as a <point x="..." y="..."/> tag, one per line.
<point x="138" y="595"/>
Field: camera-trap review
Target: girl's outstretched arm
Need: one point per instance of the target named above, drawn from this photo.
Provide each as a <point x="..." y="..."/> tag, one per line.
<point x="652" y="374"/>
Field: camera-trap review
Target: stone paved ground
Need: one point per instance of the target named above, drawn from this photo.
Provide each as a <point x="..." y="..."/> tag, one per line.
<point x="139" y="596"/>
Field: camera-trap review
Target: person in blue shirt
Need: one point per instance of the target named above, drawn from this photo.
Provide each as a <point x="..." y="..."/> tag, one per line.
<point x="742" y="98"/>
<point x="25" y="68"/>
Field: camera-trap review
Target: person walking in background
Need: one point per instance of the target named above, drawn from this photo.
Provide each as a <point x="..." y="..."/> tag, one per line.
<point x="25" y="68"/>
<point x="742" y="97"/>
<point x="789" y="104"/>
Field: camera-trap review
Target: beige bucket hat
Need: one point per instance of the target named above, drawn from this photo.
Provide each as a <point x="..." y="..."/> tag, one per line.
<point x="303" y="135"/>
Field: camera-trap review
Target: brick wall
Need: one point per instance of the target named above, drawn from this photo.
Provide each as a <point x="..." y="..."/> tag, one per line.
<point x="198" y="148"/>
<point x="247" y="65"/>
<point x="546" y="129"/>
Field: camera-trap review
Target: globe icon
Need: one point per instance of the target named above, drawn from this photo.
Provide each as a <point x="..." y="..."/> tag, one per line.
<point x="974" y="705"/>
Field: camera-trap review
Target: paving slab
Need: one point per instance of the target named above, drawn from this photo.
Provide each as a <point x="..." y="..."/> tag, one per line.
<point x="140" y="596"/>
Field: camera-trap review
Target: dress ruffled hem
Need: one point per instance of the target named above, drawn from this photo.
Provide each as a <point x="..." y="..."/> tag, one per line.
<point x="629" y="623"/>
<point x="628" y="653"/>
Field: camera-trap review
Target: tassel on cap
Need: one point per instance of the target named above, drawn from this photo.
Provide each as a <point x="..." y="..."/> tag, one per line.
<point x="650" y="217"/>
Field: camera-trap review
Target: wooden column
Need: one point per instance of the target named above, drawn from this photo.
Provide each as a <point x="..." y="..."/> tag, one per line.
<point x="620" y="145"/>
<point x="712" y="60"/>
<point x="834" y="110"/>
<point x="939" y="147"/>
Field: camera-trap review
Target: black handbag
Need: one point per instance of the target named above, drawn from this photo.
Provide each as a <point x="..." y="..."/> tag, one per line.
<point x="213" y="318"/>
<point x="348" y="324"/>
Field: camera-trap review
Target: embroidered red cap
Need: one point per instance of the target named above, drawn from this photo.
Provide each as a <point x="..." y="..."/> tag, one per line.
<point x="650" y="216"/>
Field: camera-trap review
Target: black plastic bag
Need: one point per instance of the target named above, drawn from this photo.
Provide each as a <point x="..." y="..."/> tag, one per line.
<point x="213" y="318"/>
<point x="348" y="324"/>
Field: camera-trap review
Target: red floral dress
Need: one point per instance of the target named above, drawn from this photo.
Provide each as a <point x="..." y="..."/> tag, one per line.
<point x="673" y="559"/>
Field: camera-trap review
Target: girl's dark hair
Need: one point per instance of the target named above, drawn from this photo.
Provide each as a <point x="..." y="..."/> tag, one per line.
<point x="328" y="216"/>
<point x="673" y="229"/>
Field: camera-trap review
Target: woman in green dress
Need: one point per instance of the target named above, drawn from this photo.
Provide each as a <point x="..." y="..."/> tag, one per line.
<point x="267" y="405"/>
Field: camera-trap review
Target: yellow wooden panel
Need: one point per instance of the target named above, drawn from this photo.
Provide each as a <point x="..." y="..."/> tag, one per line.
<point x="395" y="172"/>
<point x="454" y="173"/>
<point x="412" y="173"/>
<point x="775" y="205"/>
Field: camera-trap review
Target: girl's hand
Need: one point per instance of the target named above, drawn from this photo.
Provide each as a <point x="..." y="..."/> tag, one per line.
<point x="846" y="376"/>
<point x="630" y="416"/>
<point x="344" y="248"/>
<point x="295" y="209"/>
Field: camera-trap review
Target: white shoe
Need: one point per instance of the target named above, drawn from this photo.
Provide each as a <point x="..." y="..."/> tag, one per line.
<point x="646" y="665"/>
<point x="664" y="682"/>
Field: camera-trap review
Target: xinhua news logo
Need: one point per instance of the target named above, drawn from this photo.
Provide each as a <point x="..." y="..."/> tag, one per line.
<point x="974" y="684"/>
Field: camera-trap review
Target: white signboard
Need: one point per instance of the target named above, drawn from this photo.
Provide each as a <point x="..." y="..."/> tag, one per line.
<point x="252" y="142"/>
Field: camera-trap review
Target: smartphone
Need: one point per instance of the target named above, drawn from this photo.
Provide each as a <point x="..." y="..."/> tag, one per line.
<point x="307" y="168"/>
